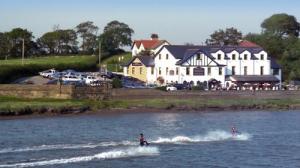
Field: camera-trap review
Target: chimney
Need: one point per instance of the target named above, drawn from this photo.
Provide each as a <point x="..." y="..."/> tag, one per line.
<point x="154" y="36"/>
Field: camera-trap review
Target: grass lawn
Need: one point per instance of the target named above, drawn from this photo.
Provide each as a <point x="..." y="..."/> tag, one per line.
<point x="114" y="63"/>
<point x="15" y="104"/>
<point x="53" y="60"/>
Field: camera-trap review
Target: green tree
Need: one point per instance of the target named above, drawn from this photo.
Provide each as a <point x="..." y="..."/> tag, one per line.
<point x="281" y="25"/>
<point x="87" y="31"/>
<point x="231" y="36"/>
<point x="4" y="45"/>
<point x="60" y="41"/>
<point x="116" y="35"/>
<point x="16" y="36"/>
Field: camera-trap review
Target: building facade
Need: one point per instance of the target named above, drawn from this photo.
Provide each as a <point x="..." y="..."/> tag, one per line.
<point x="153" y="46"/>
<point x="246" y="65"/>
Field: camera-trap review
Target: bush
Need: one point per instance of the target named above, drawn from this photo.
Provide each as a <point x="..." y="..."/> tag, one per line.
<point x="163" y="88"/>
<point x="117" y="83"/>
<point x="198" y="87"/>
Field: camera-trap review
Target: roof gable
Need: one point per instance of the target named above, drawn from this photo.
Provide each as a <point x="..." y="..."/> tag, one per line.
<point x="149" y="44"/>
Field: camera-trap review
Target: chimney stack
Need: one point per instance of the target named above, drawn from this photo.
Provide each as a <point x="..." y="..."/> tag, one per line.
<point x="154" y="36"/>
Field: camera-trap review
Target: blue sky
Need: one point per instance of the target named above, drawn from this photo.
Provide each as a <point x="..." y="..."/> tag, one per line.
<point x="178" y="21"/>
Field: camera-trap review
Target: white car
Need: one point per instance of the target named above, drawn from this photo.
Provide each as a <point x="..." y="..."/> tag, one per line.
<point x="71" y="78"/>
<point x="90" y="79"/>
<point x="48" y="73"/>
<point x="171" y="88"/>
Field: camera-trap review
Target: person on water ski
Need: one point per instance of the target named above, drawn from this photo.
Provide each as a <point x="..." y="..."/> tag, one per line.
<point x="142" y="140"/>
<point x="234" y="131"/>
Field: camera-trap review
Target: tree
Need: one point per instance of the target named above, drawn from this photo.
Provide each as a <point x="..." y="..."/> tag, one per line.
<point x="87" y="31"/>
<point x="60" y="41"/>
<point x="16" y="36"/>
<point x="4" y="45"/>
<point x="281" y="25"/>
<point x="115" y="35"/>
<point x="231" y="36"/>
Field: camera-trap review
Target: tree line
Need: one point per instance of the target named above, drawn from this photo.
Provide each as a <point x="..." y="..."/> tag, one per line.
<point x="279" y="37"/>
<point x="83" y="39"/>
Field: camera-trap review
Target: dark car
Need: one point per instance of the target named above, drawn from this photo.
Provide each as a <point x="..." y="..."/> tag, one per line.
<point x="182" y="86"/>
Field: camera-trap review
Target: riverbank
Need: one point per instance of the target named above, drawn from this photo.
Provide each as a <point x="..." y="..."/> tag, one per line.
<point x="11" y="107"/>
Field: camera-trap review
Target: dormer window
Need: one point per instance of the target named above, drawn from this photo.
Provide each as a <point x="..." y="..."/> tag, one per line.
<point x="199" y="57"/>
<point x="233" y="56"/>
<point x="219" y="56"/>
<point x="262" y="56"/>
<point x="245" y="56"/>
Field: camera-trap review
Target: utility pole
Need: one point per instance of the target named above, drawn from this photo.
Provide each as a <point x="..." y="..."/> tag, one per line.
<point x="23" y="49"/>
<point x="100" y="55"/>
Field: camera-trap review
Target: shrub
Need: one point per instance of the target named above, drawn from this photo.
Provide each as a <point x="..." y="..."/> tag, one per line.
<point x="163" y="88"/>
<point x="117" y="83"/>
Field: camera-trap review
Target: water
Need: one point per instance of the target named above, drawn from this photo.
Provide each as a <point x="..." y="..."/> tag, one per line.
<point x="268" y="139"/>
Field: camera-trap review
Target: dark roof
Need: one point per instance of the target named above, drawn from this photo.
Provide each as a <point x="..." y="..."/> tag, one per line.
<point x="184" y="52"/>
<point x="254" y="78"/>
<point x="274" y="64"/>
<point x="145" y="59"/>
<point x="179" y="51"/>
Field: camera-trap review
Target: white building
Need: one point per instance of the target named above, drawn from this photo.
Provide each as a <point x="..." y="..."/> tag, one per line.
<point x="246" y="65"/>
<point x="153" y="45"/>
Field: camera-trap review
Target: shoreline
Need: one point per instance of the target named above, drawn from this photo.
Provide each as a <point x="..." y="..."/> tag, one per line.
<point x="134" y="110"/>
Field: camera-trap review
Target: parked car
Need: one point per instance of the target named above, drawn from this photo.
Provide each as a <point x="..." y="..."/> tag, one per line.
<point x="90" y="79"/>
<point x="47" y="73"/>
<point x="71" y="78"/>
<point x="171" y="88"/>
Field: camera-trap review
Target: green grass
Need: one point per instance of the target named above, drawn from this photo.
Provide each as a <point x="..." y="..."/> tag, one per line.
<point x="13" y="69"/>
<point x="14" y="104"/>
<point x="53" y="60"/>
<point x="114" y="63"/>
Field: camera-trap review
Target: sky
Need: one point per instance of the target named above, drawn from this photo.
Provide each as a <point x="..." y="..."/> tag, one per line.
<point x="178" y="21"/>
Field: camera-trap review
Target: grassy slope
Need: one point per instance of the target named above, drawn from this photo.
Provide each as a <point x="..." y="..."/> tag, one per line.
<point x="10" y="103"/>
<point x="53" y="60"/>
<point x="113" y="63"/>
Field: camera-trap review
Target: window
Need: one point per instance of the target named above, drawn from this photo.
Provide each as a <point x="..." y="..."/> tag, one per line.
<point x="167" y="70"/>
<point x="245" y="70"/>
<point x="159" y="71"/>
<point x="187" y="71"/>
<point x="245" y="56"/>
<point x="177" y="70"/>
<point x="199" y="57"/>
<point x="220" y="71"/>
<point x="171" y="72"/>
<point x="198" y="71"/>
<point x="219" y="56"/>
<point x="159" y="56"/>
<point x="133" y="70"/>
<point x="261" y="70"/>
<point x="275" y="71"/>
<point x="209" y="71"/>
<point x="167" y="56"/>
<point x="261" y="56"/>
<point x="152" y="70"/>
<point x="233" y="56"/>
<point x="233" y="70"/>
<point x="141" y="70"/>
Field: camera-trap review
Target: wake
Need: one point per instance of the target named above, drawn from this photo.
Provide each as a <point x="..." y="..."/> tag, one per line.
<point x="209" y="137"/>
<point x="67" y="146"/>
<point x="114" y="154"/>
<point x="217" y="135"/>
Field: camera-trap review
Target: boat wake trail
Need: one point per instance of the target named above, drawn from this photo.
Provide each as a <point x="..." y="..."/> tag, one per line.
<point x="114" y="154"/>
<point x="67" y="146"/>
<point x="218" y="135"/>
